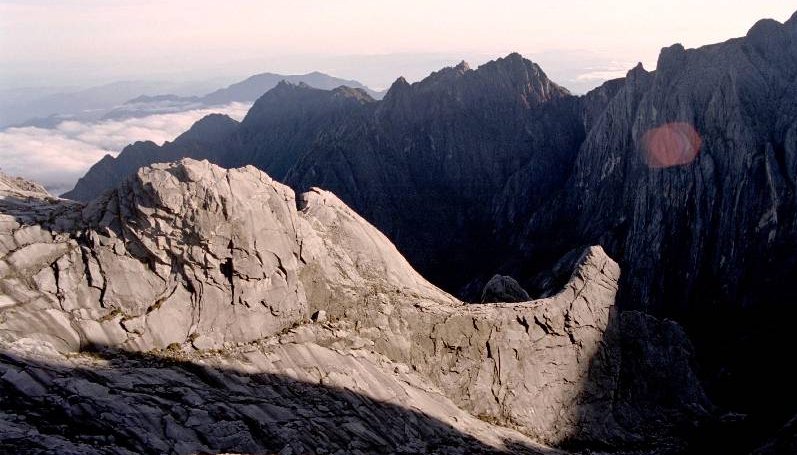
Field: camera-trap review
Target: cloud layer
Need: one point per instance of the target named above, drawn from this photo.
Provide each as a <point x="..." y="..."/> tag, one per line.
<point x="58" y="157"/>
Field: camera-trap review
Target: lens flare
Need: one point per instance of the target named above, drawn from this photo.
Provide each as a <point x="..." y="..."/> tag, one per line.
<point x="672" y="144"/>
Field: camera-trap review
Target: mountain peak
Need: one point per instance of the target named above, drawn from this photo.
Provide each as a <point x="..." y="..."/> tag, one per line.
<point x="462" y="66"/>
<point x="515" y="63"/>
<point x="765" y="27"/>
<point x="288" y="86"/>
<point x="445" y="75"/>
<point x="671" y="57"/>
<point x="210" y="128"/>
<point x="399" y="86"/>
<point x="638" y="69"/>
<point x="344" y="91"/>
<point x="792" y="20"/>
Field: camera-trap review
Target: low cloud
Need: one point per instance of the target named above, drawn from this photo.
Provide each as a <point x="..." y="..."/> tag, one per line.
<point x="57" y="157"/>
<point x="601" y="73"/>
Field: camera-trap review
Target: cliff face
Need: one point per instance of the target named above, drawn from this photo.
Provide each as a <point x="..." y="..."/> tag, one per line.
<point x="717" y="214"/>
<point x="191" y="272"/>
<point x="688" y="178"/>
<point x="434" y="157"/>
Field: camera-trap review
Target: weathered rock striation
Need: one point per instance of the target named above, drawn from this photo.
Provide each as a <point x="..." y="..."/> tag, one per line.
<point x="195" y="285"/>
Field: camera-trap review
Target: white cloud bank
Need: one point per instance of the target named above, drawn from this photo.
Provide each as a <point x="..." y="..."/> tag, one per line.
<point x="57" y="157"/>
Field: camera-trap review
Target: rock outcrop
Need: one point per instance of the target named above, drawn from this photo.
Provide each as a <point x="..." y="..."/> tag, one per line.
<point x="503" y="288"/>
<point x="194" y="278"/>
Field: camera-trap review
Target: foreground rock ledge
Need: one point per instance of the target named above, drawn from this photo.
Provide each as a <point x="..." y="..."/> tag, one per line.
<point x="189" y="266"/>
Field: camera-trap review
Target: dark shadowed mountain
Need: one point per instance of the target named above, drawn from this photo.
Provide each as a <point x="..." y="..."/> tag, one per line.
<point x="431" y="157"/>
<point x="197" y="141"/>
<point x="689" y="176"/>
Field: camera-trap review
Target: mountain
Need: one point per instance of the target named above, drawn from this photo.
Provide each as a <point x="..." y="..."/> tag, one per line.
<point x="41" y="108"/>
<point x="109" y="171"/>
<point x="255" y="86"/>
<point x="685" y="174"/>
<point x="688" y="178"/>
<point x="246" y="91"/>
<point x="430" y="157"/>
<point x="253" y="320"/>
<point x="144" y="105"/>
<point x="131" y="99"/>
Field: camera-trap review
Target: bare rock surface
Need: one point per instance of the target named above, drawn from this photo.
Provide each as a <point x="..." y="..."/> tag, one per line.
<point x="201" y="292"/>
<point x="266" y="397"/>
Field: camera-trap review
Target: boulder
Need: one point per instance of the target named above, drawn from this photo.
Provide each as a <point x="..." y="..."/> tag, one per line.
<point x="503" y="288"/>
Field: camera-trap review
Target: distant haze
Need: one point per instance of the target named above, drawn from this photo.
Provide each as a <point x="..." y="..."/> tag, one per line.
<point x="88" y="42"/>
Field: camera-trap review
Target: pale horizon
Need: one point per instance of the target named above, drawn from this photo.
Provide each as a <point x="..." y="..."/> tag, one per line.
<point x="64" y="43"/>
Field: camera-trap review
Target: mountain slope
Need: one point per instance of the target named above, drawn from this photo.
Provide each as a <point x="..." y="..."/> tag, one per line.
<point x="686" y="174"/>
<point x="252" y="319"/>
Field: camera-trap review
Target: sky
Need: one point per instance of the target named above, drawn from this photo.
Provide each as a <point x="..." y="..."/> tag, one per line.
<point x="62" y="42"/>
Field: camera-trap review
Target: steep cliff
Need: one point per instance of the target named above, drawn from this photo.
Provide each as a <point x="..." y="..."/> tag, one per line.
<point x="688" y="178"/>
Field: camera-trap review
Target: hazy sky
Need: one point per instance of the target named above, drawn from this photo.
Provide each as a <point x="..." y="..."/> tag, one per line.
<point x="55" y="42"/>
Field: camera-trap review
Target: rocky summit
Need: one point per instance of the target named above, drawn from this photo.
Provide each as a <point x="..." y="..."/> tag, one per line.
<point x="196" y="309"/>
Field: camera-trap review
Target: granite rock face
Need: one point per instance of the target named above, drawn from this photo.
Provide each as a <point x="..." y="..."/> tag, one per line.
<point x="175" y="253"/>
<point x="260" y="398"/>
<point x="194" y="278"/>
<point x="719" y="216"/>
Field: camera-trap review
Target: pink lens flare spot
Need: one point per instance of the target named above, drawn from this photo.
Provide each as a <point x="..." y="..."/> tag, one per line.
<point x="672" y="144"/>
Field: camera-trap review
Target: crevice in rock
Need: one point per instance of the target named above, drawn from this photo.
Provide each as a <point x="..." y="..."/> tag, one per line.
<point x="228" y="270"/>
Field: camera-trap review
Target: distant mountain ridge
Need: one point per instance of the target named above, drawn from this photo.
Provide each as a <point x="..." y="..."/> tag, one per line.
<point x="123" y="100"/>
<point x="255" y="86"/>
<point x="88" y="104"/>
<point x="246" y="91"/>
